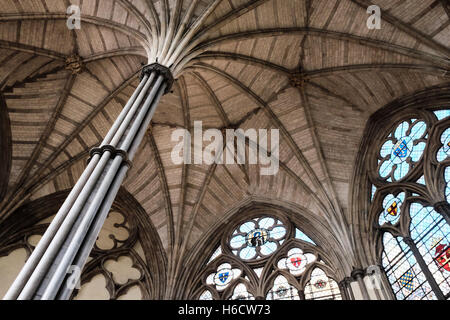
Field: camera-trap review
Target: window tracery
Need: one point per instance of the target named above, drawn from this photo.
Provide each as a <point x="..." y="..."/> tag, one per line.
<point x="266" y="257"/>
<point x="118" y="258"/>
<point x="116" y="268"/>
<point x="410" y="196"/>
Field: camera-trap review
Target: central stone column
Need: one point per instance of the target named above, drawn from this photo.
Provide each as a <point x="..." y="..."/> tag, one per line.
<point x="52" y="270"/>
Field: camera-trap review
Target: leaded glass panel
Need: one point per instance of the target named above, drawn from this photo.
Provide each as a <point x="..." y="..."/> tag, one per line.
<point x="278" y="251"/>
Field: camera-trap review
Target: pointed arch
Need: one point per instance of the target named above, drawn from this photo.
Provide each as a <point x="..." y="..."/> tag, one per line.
<point x="400" y="181"/>
<point x="201" y="265"/>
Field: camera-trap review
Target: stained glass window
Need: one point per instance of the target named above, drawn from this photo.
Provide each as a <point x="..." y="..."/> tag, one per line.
<point x="296" y="261"/>
<point x="444" y="152"/>
<point x="241" y="293"/>
<point x="374" y="190"/>
<point x="224" y="275"/>
<point x="257" y="238"/>
<point x="215" y="254"/>
<point x="406" y="277"/>
<point x="301" y="236"/>
<point x="431" y="234"/>
<point x="321" y="287"/>
<point x="442" y="114"/>
<point x="264" y="254"/>
<point x="402" y="149"/>
<point x="282" y="290"/>
<point x="421" y="180"/>
<point x="391" y="208"/>
<point x="417" y="264"/>
<point x="206" y="296"/>
<point x="258" y="271"/>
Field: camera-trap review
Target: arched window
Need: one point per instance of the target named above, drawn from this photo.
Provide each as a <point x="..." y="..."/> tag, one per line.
<point x="267" y="258"/>
<point x="117" y="268"/>
<point x="410" y="177"/>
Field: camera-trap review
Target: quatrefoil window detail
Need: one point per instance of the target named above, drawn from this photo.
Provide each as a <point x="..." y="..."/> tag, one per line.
<point x="402" y="150"/>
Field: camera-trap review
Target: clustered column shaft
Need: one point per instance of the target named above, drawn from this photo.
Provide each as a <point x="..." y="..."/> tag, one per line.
<point x="71" y="236"/>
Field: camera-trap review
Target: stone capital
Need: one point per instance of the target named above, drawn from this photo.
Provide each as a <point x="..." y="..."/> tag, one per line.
<point x="160" y="70"/>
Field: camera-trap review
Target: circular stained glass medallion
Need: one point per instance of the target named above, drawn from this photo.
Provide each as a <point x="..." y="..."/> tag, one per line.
<point x="257" y="237"/>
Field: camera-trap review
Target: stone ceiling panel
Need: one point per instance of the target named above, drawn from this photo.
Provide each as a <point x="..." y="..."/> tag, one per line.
<point x="235" y="62"/>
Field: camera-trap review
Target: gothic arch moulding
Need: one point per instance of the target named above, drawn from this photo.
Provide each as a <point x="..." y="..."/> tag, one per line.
<point x="127" y="261"/>
<point x="401" y="192"/>
<point x="264" y="268"/>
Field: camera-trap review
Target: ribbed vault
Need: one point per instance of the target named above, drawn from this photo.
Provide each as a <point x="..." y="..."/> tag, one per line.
<point x="310" y="68"/>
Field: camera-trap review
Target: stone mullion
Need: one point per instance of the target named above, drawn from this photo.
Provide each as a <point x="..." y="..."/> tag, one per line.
<point x="386" y="286"/>
<point x="423" y="265"/>
<point x="301" y="294"/>
<point x="358" y="275"/>
<point x="347" y="282"/>
<point x="444" y="209"/>
<point x="343" y="287"/>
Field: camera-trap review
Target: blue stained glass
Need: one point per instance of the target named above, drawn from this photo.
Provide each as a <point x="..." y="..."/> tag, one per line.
<point x="278" y="233"/>
<point x="401" y="150"/>
<point x="269" y="248"/>
<point x="386" y="148"/>
<point x="385" y="169"/>
<point x="374" y="190"/>
<point x="266" y="223"/>
<point x="257" y="238"/>
<point x="223" y="276"/>
<point x="401" y="171"/>
<point x="442" y="114"/>
<point x="428" y="229"/>
<point x="396" y="154"/>
<point x="401" y="130"/>
<point x="248" y="226"/>
<point x="407" y="279"/>
<point x="422" y="219"/>
<point x="237" y="242"/>
<point x="444" y="152"/>
<point x="431" y="234"/>
<point x="301" y="236"/>
<point x="418" y="151"/>
<point x="421" y="180"/>
<point x="391" y="208"/>
<point x="418" y="130"/>
<point x="247" y="253"/>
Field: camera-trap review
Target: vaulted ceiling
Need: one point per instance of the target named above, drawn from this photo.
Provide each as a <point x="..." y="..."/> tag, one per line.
<point x="310" y="68"/>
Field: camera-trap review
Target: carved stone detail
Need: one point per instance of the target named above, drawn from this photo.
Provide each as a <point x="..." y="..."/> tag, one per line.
<point x="259" y="285"/>
<point x="160" y="70"/>
<point x="442" y="207"/>
<point x="19" y="238"/>
<point x="74" y="64"/>
<point x="114" y="152"/>
<point x="298" y="79"/>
